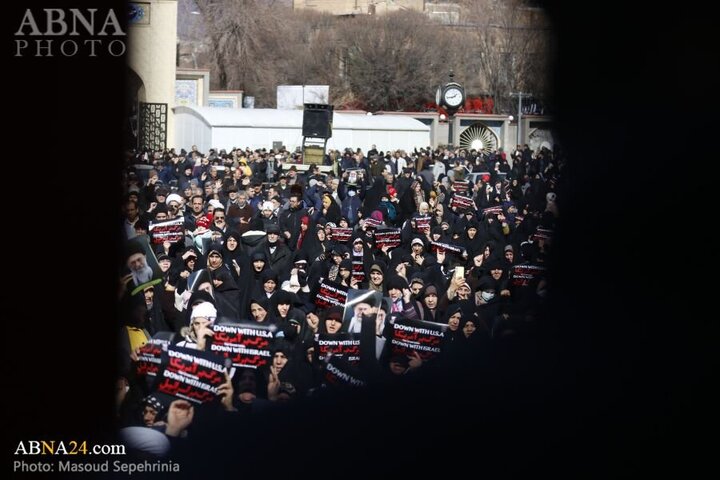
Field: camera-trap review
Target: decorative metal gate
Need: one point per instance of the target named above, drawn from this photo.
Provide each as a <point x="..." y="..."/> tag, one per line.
<point x="153" y="126"/>
<point x="479" y="137"/>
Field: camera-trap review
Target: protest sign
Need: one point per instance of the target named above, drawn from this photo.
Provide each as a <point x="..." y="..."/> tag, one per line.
<point x="247" y="345"/>
<point x="447" y="247"/>
<point x="339" y="372"/>
<point x="460" y="185"/>
<point x="191" y="375"/>
<point x="462" y="203"/>
<point x="145" y="268"/>
<point x="525" y="275"/>
<point x="341" y="235"/>
<point x="170" y="231"/>
<point x="150" y="354"/>
<point x="355" y="176"/>
<point x="422" y="224"/>
<point x="492" y="210"/>
<point x="372" y="223"/>
<point x="330" y="294"/>
<point x="358" y="270"/>
<point x="542" y="234"/>
<point x="359" y="302"/>
<point x="342" y="345"/>
<point x="387" y="237"/>
<point x="417" y="336"/>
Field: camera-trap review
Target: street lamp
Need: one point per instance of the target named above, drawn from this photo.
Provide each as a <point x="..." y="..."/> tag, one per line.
<point x="520" y="96"/>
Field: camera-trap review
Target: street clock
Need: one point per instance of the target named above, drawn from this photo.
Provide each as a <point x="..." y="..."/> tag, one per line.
<point x="451" y="96"/>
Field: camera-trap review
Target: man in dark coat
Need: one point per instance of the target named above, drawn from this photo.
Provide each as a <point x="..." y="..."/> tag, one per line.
<point x="290" y="219"/>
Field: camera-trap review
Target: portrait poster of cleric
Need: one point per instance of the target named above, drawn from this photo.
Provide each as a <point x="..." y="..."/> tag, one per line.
<point x="114" y="305"/>
<point x="361" y="303"/>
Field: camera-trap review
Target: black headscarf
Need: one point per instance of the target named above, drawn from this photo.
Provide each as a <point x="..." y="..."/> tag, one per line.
<point x="237" y="254"/>
<point x="372" y="196"/>
<point x="312" y="246"/>
<point x="227" y="294"/>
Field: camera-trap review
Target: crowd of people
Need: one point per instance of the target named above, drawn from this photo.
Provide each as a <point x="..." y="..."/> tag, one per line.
<point x="245" y="237"/>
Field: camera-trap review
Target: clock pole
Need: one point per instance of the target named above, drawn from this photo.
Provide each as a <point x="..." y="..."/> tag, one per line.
<point x="452" y="97"/>
<point x="451" y="116"/>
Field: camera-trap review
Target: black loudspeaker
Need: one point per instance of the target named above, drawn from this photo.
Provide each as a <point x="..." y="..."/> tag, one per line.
<point x="317" y="120"/>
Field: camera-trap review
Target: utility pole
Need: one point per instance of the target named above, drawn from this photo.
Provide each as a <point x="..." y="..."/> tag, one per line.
<point x="520" y="96"/>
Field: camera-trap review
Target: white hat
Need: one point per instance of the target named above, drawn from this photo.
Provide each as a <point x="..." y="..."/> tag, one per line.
<point x="418" y="241"/>
<point x="215" y="203"/>
<point x="173" y="197"/>
<point x="204" y="309"/>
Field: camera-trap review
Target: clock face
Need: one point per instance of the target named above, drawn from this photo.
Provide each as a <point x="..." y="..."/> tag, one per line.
<point x="453" y="97"/>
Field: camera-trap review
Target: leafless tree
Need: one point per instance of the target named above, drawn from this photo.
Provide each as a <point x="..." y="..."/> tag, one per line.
<point x="311" y="53"/>
<point x="393" y="61"/>
<point x="376" y="62"/>
<point x="244" y="40"/>
<point x="510" y="48"/>
<point x="389" y="62"/>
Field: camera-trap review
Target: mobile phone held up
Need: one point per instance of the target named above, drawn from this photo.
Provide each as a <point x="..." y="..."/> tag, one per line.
<point x="459" y="272"/>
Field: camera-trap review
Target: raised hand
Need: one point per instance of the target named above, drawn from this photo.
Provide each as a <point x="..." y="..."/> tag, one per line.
<point x="180" y="416"/>
<point x="414" y="360"/>
<point x="225" y="392"/>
